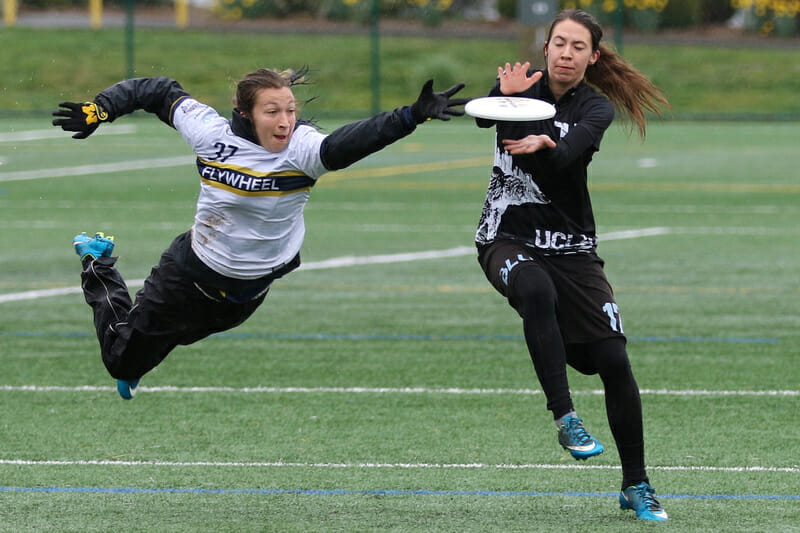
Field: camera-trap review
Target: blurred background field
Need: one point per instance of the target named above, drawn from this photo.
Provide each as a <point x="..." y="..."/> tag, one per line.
<point x="706" y="68"/>
<point x="397" y="394"/>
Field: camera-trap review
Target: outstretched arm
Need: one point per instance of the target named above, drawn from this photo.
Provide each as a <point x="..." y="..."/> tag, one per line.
<point x="154" y="95"/>
<point x="356" y="140"/>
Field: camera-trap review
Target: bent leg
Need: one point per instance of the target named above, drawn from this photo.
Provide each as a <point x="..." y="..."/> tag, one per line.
<point x="107" y="294"/>
<point x="170" y="310"/>
<point x="533" y="291"/>
<point x="516" y="274"/>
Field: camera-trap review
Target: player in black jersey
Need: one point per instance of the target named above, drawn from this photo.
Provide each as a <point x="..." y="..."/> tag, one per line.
<point x="537" y="243"/>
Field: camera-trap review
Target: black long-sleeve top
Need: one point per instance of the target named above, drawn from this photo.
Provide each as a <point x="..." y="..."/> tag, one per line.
<point x="543" y="199"/>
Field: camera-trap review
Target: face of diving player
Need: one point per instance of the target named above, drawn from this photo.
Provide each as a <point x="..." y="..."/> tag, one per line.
<point x="273" y="117"/>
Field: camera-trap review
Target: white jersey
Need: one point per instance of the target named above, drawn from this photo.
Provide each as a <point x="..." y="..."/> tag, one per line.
<point x="249" y="218"/>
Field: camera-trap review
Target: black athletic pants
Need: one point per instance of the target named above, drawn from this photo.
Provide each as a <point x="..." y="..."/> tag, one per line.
<point x="564" y="304"/>
<point x="182" y="301"/>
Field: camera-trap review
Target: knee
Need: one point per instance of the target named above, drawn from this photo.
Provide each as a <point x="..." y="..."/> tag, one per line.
<point x="533" y="290"/>
<point x="111" y="349"/>
<point x="120" y="352"/>
<point x="612" y="358"/>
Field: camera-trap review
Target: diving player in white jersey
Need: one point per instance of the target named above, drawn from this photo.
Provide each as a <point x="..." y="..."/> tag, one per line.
<point x="256" y="172"/>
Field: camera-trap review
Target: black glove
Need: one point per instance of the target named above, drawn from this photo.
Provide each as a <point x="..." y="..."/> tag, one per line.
<point x="437" y="105"/>
<point x="83" y="118"/>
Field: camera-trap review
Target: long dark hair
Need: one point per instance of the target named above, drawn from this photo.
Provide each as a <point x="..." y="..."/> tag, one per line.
<point x="632" y="93"/>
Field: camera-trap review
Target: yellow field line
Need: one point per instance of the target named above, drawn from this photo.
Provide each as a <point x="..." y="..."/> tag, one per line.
<point x="411" y="168"/>
<point x="705" y="290"/>
<point x="486" y="161"/>
<point x="698" y="187"/>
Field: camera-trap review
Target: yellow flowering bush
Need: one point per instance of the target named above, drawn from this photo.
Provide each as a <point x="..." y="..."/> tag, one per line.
<point x="339" y="9"/>
<point x="781" y="8"/>
<point x="237" y="9"/>
<point x="609" y="6"/>
<point x="644" y="15"/>
<point x="655" y="5"/>
<point x="770" y="16"/>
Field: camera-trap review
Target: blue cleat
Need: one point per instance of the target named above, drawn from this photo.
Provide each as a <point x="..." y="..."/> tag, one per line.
<point x="127" y="388"/>
<point x="642" y="499"/>
<point x="573" y="437"/>
<point x="94" y="247"/>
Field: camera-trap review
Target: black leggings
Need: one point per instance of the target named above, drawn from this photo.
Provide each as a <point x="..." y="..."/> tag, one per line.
<point x="537" y="302"/>
<point x="609" y="359"/>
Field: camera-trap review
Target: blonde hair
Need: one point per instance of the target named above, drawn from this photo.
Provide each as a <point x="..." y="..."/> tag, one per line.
<point x="631" y="92"/>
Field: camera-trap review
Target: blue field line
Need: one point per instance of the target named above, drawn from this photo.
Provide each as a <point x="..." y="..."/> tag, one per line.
<point x="401" y="337"/>
<point x="384" y="492"/>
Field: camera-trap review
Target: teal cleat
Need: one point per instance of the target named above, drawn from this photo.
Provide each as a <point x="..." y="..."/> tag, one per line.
<point x="127" y="388"/>
<point x="642" y="499"/>
<point x="573" y="437"/>
<point x="94" y="247"/>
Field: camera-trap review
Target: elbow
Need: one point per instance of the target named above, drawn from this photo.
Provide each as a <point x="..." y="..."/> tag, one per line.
<point x="329" y="158"/>
<point x="558" y="159"/>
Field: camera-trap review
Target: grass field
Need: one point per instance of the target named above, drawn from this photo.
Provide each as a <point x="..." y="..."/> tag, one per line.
<point x="392" y="390"/>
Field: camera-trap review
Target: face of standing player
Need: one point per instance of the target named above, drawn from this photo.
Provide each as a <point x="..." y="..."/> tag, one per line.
<point x="568" y="54"/>
<point x="273" y="117"/>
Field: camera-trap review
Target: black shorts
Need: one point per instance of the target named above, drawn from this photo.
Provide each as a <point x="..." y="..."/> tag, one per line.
<point x="586" y="308"/>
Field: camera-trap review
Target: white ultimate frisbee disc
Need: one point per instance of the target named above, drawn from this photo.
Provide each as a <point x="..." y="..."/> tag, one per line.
<point x="511" y="108"/>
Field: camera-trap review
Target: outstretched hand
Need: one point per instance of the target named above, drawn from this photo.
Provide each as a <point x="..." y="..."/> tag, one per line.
<point x="437" y="105"/>
<point x="514" y="80"/>
<point x="82" y="118"/>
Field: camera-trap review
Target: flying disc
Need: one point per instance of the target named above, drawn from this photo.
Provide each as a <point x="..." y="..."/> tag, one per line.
<point x="512" y="108"/>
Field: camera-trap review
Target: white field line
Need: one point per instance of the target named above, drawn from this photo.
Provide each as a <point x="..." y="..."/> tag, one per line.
<point x="53" y="133"/>
<point x="634" y="234"/>
<point x="386" y="390"/>
<point x="388" y="258"/>
<point x="342" y="262"/>
<point x="399" y="466"/>
<point x="43" y="293"/>
<point x="96" y="169"/>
